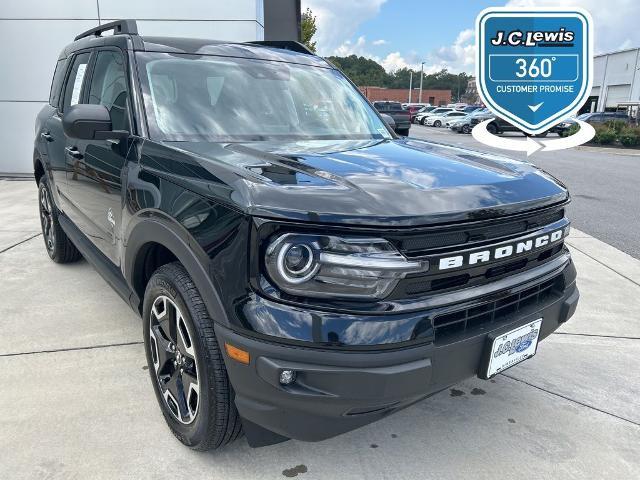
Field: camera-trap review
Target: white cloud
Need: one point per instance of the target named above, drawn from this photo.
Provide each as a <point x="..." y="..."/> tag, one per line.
<point x="615" y="28"/>
<point x="458" y="57"/>
<point x="338" y="20"/>
<point x="394" y="61"/>
<point x="352" y="48"/>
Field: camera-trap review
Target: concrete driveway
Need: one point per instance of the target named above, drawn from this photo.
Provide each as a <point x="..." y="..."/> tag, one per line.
<point x="76" y="400"/>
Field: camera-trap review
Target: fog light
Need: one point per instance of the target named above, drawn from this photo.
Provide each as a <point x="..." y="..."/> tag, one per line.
<point x="287" y="377"/>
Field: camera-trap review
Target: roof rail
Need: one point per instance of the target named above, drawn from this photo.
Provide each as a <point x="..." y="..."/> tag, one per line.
<point x="119" y="27"/>
<point x="285" y="45"/>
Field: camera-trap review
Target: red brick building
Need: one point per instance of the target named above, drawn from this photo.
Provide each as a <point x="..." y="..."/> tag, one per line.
<point x="434" y="97"/>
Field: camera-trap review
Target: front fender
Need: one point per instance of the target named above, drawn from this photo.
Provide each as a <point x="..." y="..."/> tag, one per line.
<point x="156" y="227"/>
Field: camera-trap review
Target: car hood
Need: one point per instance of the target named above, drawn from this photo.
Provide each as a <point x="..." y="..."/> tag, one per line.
<point x="400" y="182"/>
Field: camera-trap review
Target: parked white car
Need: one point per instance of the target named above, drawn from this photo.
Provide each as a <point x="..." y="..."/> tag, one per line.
<point x="421" y="117"/>
<point x="439" y="120"/>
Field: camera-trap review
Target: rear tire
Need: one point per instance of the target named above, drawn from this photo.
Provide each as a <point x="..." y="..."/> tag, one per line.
<point x="403" y="132"/>
<point x="184" y="357"/>
<point x="58" y="245"/>
<point x="437" y="123"/>
<point x="492" y="129"/>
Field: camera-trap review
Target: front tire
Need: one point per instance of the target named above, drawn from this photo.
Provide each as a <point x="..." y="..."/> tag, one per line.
<point x="185" y="362"/>
<point x="466" y="129"/>
<point x="59" y="247"/>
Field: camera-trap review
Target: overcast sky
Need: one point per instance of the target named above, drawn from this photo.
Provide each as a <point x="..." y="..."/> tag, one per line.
<point x="399" y="33"/>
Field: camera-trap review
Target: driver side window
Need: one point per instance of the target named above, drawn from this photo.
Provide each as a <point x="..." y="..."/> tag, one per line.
<point x="75" y="80"/>
<point x="109" y="87"/>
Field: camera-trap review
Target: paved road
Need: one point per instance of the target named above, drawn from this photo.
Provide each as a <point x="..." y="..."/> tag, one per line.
<point x="604" y="183"/>
<point x="76" y="400"/>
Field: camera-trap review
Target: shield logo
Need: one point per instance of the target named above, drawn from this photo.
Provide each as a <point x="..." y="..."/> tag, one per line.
<point x="534" y="65"/>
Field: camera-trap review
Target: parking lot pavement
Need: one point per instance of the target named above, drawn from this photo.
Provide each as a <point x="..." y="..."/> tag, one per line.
<point x="76" y="399"/>
<point x="14" y="227"/>
<point x="603" y="183"/>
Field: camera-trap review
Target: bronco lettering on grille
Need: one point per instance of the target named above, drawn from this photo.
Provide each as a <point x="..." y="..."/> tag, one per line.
<point x="499" y="252"/>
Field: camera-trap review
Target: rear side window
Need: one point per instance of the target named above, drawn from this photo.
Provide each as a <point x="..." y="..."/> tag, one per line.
<point x="109" y="87"/>
<point x="73" y="87"/>
<point x="56" y="84"/>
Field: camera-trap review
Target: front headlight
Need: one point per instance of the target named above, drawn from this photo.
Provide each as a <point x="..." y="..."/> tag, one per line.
<point x="332" y="266"/>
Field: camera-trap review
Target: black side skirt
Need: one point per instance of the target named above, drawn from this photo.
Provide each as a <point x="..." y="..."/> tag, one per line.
<point x="105" y="267"/>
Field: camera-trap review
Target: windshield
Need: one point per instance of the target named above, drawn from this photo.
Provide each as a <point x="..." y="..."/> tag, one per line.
<point x="208" y="98"/>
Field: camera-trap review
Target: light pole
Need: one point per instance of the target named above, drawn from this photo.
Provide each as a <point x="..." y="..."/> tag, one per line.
<point x="421" y="77"/>
<point x="410" y="84"/>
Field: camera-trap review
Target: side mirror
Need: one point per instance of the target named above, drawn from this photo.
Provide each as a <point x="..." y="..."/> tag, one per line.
<point x="90" y="122"/>
<point x="388" y="119"/>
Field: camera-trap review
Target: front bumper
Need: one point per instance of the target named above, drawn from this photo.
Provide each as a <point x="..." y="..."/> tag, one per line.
<point x="338" y="390"/>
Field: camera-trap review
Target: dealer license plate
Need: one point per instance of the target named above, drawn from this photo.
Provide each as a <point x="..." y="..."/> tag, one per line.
<point x="513" y="347"/>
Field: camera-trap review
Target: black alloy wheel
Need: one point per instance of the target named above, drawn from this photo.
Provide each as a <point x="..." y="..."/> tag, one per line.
<point x="186" y="366"/>
<point x="46" y="220"/>
<point x="174" y="359"/>
<point x="59" y="247"/>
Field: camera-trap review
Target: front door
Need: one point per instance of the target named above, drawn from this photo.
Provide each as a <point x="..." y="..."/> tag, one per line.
<point x="99" y="166"/>
<point x="71" y="94"/>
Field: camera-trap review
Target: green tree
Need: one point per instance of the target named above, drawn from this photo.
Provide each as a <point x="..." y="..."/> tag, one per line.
<point x="309" y="29"/>
<point x="362" y="71"/>
<point x="365" y="72"/>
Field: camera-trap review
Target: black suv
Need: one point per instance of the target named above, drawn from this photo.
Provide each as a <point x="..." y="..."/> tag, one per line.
<point x="499" y="125"/>
<point x="300" y="271"/>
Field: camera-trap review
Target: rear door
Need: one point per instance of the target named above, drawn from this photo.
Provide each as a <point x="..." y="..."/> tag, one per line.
<point x="71" y="94"/>
<point x="96" y="179"/>
<point x="44" y="136"/>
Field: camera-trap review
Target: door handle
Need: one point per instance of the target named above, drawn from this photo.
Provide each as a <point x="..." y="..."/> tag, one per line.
<point x="73" y="152"/>
<point x="46" y="136"/>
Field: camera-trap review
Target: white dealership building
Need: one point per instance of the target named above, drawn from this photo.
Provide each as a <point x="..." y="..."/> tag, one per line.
<point x="33" y="32"/>
<point x="616" y="80"/>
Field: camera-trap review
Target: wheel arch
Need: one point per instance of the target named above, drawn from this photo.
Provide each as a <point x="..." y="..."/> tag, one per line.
<point x="38" y="167"/>
<point x="155" y="240"/>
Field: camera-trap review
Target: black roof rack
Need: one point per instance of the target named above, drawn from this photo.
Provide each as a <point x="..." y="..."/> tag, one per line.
<point x="285" y="45"/>
<point x="119" y="27"/>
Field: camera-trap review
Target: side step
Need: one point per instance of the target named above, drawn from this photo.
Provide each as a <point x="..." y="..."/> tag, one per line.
<point x="105" y="267"/>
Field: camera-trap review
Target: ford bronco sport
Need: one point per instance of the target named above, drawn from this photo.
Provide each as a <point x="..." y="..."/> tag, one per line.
<point x="300" y="270"/>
